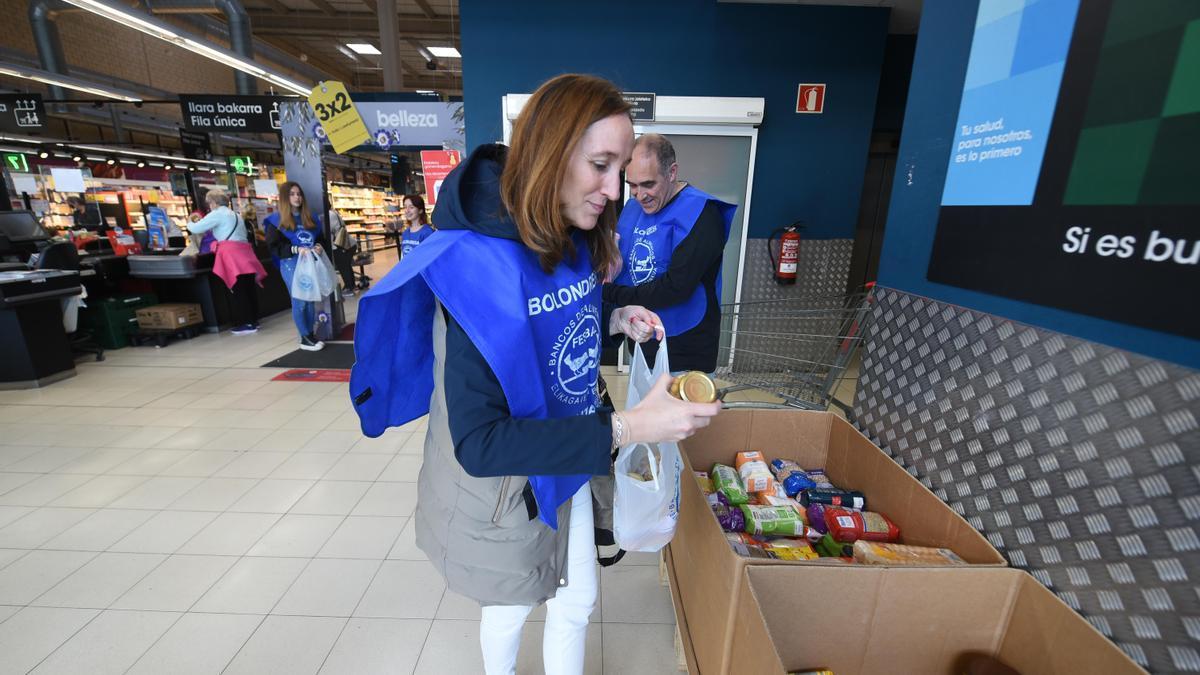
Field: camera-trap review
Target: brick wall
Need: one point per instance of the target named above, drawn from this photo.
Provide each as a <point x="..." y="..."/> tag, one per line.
<point x="104" y="46"/>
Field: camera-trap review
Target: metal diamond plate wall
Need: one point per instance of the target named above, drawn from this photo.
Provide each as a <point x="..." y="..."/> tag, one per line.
<point x="1080" y="462"/>
<point x="824" y="269"/>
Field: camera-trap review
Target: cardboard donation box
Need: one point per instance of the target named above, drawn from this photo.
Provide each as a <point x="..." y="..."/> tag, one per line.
<point x="893" y="620"/>
<point x="710" y="575"/>
<point x="169" y="316"/>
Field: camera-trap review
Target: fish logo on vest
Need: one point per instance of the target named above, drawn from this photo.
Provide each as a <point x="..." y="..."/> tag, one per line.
<point x="575" y="361"/>
<point x="641" y="262"/>
<point x="305" y="237"/>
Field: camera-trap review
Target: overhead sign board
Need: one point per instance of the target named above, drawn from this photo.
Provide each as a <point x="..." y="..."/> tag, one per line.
<point x="399" y="124"/>
<point x="195" y="144"/>
<point x="22" y="113"/>
<point x="238" y="114"/>
<point x="642" y="105"/>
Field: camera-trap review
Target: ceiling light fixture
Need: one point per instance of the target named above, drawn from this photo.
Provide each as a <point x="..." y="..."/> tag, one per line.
<point x="167" y="167"/>
<point x="147" y="155"/>
<point x="445" y="52"/>
<point x="110" y="161"/>
<point x="76" y="158"/>
<point x="141" y="164"/>
<point x="54" y="79"/>
<point x="163" y="31"/>
<point x="43" y="154"/>
<point x="364" y="48"/>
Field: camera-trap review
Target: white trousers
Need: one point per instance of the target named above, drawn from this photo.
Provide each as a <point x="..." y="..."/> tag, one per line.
<point x="567" y="613"/>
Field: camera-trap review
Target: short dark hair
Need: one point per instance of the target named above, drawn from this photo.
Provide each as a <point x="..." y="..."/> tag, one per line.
<point x="662" y="149"/>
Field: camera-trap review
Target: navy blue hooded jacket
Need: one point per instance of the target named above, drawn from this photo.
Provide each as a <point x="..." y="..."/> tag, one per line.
<point x="487" y="440"/>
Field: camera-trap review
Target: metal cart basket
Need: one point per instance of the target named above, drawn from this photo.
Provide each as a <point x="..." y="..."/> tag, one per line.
<point x="790" y="353"/>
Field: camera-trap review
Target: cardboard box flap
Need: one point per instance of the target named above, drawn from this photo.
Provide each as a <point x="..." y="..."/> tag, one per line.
<point x="802" y="436"/>
<point x="927" y="619"/>
<point x="1046" y="636"/>
<point x="878" y="620"/>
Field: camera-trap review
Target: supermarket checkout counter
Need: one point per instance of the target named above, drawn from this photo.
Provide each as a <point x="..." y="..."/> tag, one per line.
<point x="33" y="338"/>
<point x="190" y="279"/>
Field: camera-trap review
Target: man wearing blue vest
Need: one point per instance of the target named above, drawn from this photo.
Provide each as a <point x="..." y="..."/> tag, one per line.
<point x="672" y="238"/>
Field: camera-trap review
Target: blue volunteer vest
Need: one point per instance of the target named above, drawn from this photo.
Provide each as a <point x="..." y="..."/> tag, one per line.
<point x="299" y="236"/>
<point x="647" y="241"/>
<point x="539" y="333"/>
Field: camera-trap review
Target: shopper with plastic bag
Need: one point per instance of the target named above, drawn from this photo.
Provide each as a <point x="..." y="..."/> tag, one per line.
<point x="646" y="503"/>
<point x="293" y="233"/>
<point x="493" y="326"/>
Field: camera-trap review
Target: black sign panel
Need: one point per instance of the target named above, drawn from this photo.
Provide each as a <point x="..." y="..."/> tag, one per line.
<point x="237" y="114"/>
<point x="643" y="106"/>
<point x="195" y="144"/>
<point x="179" y="184"/>
<point x="22" y="113"/>
<point x="1105" y="234"/>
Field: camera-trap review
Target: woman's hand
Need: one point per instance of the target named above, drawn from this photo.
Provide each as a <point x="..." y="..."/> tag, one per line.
<point x="662" y="417"/>
<point x="639" y="323"/>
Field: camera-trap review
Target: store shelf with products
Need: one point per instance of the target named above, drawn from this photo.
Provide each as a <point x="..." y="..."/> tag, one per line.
<point x="363" y="206"/>
<point x="136" y="195"/>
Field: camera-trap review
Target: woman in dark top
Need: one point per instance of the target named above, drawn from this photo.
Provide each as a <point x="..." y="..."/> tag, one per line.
<point x="293" y="231"/>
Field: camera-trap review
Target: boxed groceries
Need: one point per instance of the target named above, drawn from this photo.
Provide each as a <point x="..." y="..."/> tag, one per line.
<point x="823" y="497"/>
<point x="878" y="620"/>
<point x="169" y="316"/>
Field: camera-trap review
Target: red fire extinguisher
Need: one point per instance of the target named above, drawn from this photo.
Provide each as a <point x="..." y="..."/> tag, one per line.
<point x="787" y="264"/>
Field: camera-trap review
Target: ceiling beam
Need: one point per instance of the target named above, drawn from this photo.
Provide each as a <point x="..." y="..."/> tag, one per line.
<point x="426" y="9"/>
<point x="374" y="78"/>
<point x="347" y="23"/>
<point x="278" y="6"/>
<point x="324" y="6"/>
<point x="340" y="73"/>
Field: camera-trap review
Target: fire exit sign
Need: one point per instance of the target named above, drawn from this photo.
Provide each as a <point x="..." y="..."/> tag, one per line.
<point x="16" y="162"/>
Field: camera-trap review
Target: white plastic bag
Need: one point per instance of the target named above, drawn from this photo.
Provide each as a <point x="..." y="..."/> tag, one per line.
<point x="645" y="512"/>
<point x="306" y="284"/>
<point x="326" y="274"/>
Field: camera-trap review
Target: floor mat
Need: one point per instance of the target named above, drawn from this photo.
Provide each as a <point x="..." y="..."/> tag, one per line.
<point x="308" y="375"/>
<point x="347" y="333"/>
<point x="332" y="356"/>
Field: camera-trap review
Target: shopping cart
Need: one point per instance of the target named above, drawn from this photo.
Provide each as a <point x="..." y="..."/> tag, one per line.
<point x="790" y="353"/>
<point x="364" y="254"/>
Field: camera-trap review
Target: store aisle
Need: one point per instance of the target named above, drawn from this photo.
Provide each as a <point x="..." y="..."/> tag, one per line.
<point x="173" y="510"/>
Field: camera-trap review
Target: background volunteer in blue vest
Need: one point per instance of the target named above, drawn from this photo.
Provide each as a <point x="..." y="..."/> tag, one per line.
<point x="290" y="230"/>
<point x="664" y="270"/>
<point x="517" y="436"/>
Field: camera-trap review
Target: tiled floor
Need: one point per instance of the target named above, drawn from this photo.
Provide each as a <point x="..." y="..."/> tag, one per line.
<point x="174" y="511"/>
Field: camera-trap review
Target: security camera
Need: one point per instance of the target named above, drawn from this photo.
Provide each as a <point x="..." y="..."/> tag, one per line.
<point x="431" y="64"/>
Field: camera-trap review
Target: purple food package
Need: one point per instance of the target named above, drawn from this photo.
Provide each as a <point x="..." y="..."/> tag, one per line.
<point x="731" y="518"/>
<point x="816" y="518"/>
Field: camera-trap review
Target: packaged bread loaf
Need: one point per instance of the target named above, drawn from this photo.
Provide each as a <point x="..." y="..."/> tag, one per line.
<point x="876" y="553"/>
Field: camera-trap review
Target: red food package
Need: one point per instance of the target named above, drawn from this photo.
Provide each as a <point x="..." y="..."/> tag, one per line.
<point x="848" y="526"/>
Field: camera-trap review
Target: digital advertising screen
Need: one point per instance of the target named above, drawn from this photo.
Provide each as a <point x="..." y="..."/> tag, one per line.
<point x="1072" y="179"/>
